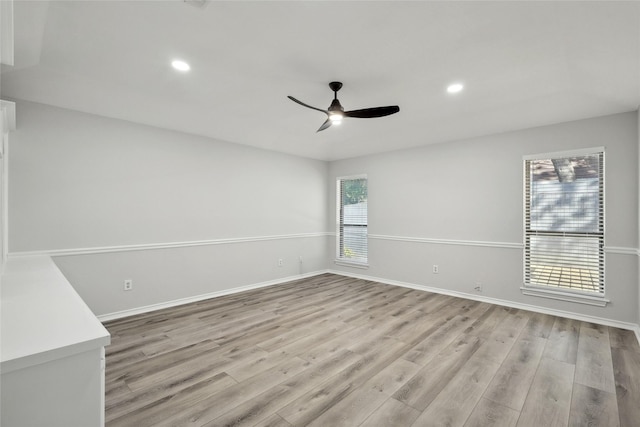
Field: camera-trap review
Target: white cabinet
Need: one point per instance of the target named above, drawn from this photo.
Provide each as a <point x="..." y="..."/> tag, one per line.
<point x="52" y="350"/>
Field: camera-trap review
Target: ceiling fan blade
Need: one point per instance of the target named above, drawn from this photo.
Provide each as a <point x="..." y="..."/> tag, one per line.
<point x="306" y="105"/>
<point x="325" y="125"/>
<point x="367" y="113"/>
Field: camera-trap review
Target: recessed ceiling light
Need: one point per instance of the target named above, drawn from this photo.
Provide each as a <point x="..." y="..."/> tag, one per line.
<point x="180" y="65"/>
<point x="455" y="88"/>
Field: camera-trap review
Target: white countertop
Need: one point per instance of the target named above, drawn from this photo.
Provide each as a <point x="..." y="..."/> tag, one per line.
<point x="42" y="318"/>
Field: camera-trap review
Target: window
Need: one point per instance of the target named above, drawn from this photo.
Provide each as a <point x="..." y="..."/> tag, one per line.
<point x="352" y="220"/>
<point x="564" y="223"/>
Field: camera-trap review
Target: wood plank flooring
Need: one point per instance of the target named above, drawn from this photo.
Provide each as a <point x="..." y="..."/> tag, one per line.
<point x="337" y="351"/>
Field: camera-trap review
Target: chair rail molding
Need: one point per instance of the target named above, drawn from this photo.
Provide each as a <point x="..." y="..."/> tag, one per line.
<point x="168" y="245"/>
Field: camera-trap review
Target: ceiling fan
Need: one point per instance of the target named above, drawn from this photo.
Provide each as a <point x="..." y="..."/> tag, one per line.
<point x="335" y="113"/>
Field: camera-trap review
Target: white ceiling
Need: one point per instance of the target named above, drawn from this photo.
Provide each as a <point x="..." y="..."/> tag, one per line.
<point x="524" y="64"/>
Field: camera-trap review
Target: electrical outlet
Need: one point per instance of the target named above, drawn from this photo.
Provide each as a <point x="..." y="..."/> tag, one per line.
<point x="300" y="259"/>
<point x="435" y="269"/>
<point x="128" y="284"/>
<point x="478" y="287"/>
<point x="280" y="262"/>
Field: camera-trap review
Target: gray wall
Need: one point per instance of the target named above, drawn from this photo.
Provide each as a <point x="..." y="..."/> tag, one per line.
<point x="468" y="196"/>
<point x="80" y="181"/>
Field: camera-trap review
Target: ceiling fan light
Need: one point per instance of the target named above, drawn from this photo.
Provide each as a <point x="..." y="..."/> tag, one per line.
<point x="335" y="118"/>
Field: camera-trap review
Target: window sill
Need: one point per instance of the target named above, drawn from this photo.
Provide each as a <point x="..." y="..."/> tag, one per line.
<point x="599" y="301"/>
<point x="355" y="264"/>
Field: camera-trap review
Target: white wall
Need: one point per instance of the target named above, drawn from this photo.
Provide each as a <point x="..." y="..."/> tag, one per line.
<point x="468" y="195"/>
<point x="79" y="182"/>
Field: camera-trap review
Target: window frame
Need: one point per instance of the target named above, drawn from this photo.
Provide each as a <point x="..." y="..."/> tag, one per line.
<point x="340" y="260"/>
<point x="597" y="298"/>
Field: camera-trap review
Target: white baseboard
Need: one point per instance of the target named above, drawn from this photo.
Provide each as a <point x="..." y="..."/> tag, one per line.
<point x="181" y="301"/>
<point x="585" y="318"/>
<point x="505" y="303"/>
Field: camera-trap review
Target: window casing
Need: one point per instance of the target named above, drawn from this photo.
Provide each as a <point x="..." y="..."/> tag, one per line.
<point x="352" y="220"/>
<point x="564" y="223"/>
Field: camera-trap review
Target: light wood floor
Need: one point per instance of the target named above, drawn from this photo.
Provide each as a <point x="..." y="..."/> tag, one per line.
<point x="336" y="351"/>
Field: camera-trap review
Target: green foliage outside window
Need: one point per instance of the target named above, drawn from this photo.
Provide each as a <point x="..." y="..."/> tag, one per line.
<point x="354" y="191"/>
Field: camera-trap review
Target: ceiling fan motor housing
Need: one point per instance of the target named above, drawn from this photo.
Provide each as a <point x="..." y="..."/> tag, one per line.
<point x="335" y="106"/>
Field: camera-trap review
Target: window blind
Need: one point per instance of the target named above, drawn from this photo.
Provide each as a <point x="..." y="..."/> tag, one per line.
<point x="564" y="223"/>
<point x="352" y="219"/>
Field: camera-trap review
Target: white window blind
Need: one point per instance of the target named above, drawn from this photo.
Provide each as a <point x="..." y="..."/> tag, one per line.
<point x="564" y="223"/>
<point x="352" y="219"/>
